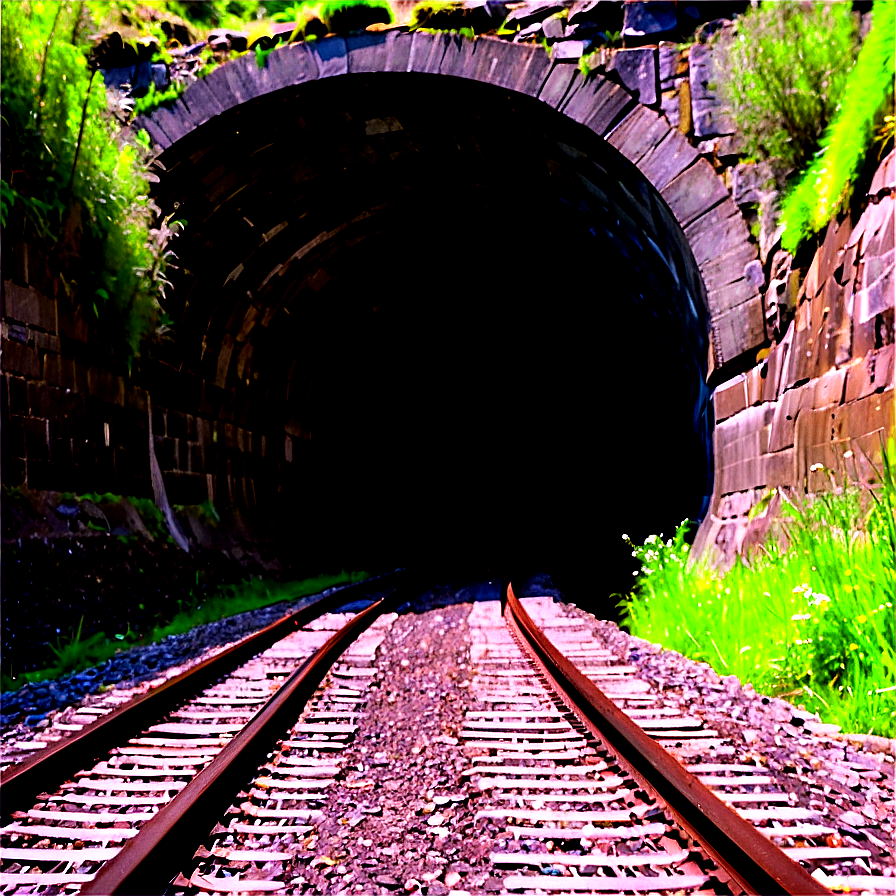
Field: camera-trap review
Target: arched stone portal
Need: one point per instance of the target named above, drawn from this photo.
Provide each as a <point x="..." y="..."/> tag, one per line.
<point x="424" y="278"/>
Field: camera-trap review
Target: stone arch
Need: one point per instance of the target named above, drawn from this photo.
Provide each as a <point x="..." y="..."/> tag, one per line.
<point x="713" y="227"/>
<point x="260" y="276"/>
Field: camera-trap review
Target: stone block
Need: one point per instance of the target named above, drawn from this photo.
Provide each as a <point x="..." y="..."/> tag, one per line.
<point x="727" y="297"/>
<point x="26" y="304"/>
<point x="774" y="366"/>
<point x="828" y="389"/>
<point x="670" y="158"/>
<point x="694" y="192"/>
<point x="637" y="69"/>
<point x="873" y="373"/>
<point x="669" y="104"/>
<point x="884" y="179"/>
<point x="17" y="395"/>
<point x="717" y="234"/>
<point x="37" y="445"/>
<point x="779" y="468"/>
<point x="720" y="270"/>
<point x="871" y="414"/>
<point x="20" y="359"/>
<point x="877" y="298"/>
<point x="710" y="119"/>
<point x="558" y="84"/>
<point x="670" y="63"/>
<point x="739" y="330"/>
<point x="748" y="181"/>
<point x="639" y="133"/>
<point x="609" y="104"/>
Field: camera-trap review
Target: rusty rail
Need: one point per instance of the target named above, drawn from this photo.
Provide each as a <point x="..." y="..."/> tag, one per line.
<point x="21" y="784"/>
<point x="754" y="863"/>
<point x="151" y="860"/>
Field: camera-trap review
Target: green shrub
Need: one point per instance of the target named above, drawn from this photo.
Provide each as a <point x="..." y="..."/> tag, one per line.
<point x="812" y="622"/>
<point x="783" y="74"/>
<point x="868" y="96"/>
<point x="70" y="181"/>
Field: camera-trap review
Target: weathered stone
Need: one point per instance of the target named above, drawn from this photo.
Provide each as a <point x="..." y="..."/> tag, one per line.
<point x="871" y="414"/>
<point x="749" y="180"/>
<point x="669" y="103"/>
<point x="637" y="69"/>
<point x="639" y="133"/>
<point x="739" y="330"/>
<point x="609" y="106"/>
<point x="709" y="114"/>
<point x="669" y="64"/>
<point x="874" y="373"/>
<point x="649" y="20"/>
<point x="828" y="389"/>
<point x="569" y="50"/>
<point x="668" y="160"/>
<point x="720" y="243"/>
<point x="754" y="275"/>
<point x="553" y="27"/>
<point x="770" y="230"/>
<point x="730" y="398"/>
<point x="21" y="359"/>
<point x="730" y="296"/>
<point x="558" y="84"/>
<point x="530" y="12"/>
<point x="26" y="304"/>
<point x="694" y="192"/>
<point x="331" y="56"/>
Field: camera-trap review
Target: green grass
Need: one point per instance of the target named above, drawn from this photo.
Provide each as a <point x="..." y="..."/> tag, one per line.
<point x="825" y="186"/>
<point x="74" y="654"/>
<point x="783" y="75"/>
<point x="812" y="622"/>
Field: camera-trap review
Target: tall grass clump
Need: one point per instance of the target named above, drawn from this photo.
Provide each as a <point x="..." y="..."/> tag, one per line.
<point x="783" y="75"/>
<point x="808" y="617"/>
<point x="868" y="96"/>
<point x="69" y="181"/>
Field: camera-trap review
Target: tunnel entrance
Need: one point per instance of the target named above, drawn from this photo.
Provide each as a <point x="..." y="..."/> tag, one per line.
<point x="456" y="310"/>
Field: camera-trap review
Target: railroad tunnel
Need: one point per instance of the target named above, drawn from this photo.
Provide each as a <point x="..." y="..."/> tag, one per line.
<point x="461" y="323"/>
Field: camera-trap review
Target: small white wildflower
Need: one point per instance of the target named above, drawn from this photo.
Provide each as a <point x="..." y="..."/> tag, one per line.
<point x="800" y="616"/>
<point x="847" y="455"/>
<point x="816" y="467"/>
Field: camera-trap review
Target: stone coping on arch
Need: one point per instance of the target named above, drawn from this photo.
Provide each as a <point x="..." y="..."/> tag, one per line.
<point x="697" y="197"/>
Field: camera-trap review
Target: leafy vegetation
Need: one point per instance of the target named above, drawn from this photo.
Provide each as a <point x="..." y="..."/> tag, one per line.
<point x="868" y="95"/>
<point x="811" y="621"/>
<point x="74" y="654"/>
<point x="783" y="75"/>
<point x="69" y="179"/>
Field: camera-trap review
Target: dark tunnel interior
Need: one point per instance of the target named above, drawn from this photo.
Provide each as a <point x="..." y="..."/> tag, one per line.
<point x="494" y="377"/>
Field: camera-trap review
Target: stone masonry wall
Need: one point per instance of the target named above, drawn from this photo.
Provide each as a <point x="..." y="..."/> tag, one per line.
<point x="818" y="408"/>
<point x="74" y="420"/>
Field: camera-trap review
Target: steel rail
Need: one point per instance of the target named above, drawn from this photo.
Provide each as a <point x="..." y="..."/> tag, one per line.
<point x="20" y="785"/>
<point x="152" y="859"/>
<point x="754" y="863"/>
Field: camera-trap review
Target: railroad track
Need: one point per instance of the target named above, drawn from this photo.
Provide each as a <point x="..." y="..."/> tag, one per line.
<point x="583" y="790"/>
<point x="134" y="783"/>
<point x="628" y="791"/>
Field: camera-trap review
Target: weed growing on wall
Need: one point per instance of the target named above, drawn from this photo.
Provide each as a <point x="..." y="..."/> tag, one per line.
<point x="69" y="180"/>
<point x="783" y="75"/>
<point x="812" y="622"/>
<point x="867" y="97"/>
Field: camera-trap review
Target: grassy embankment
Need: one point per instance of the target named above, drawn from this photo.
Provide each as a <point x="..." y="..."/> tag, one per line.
<point x="811" y="622"/>
<point x="74" y="653"/>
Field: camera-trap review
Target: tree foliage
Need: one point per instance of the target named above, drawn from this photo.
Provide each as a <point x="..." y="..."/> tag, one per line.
<point x="783" y="75"/>
<point x="68" y="178"/>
